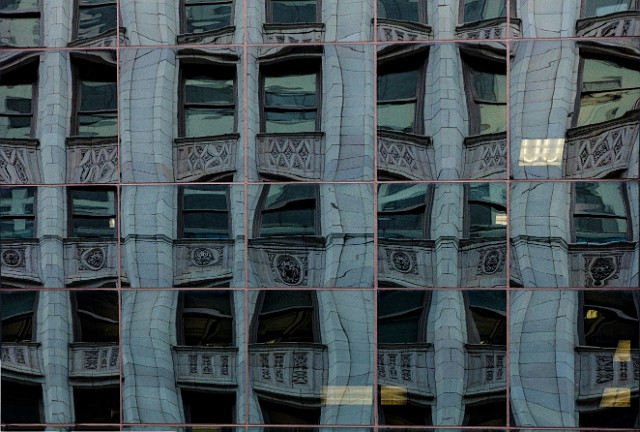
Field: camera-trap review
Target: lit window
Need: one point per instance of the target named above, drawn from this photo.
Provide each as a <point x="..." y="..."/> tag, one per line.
<point x="487" y="214"/>
<point x="17" y="316"/>
<point x="291" y="100"/>
<point x="208" y="100"/>
<point x="288" y="210"/>
<point x="403" y="10"/>
<point x="205" y="212"/>
<point x="600" y="213"/>
<point x="17" y="90"/>
<point x="286" y="316"/>
<point x="609" y="317"/>
<point x="93" y="212"/>
<point x="95" y="17"/>
<point x="608" y="91"/>
<point x="20" y="23"/>
<point x="486" y="86"/>
<point x="17" y="217"/>
<point x="402" y="316"/>
<point x="402" y="211"/>
<point x="96" y="316"/>
<point x="400" y="98"/>
<point x="488" y="313"/>
<point x="201" y="16"/>
<point x="292" y="11"/>
<point x="206" y="318"/>
<point x="479" y="10"/>
<point x="96" y="99"/>
<point x="596" y="8"/>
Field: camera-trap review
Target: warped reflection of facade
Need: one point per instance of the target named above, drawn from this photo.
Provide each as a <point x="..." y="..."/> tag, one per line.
<point x="187" y="214"/>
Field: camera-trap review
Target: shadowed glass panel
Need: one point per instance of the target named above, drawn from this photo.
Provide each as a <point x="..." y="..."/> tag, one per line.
<point x="96" y="18"/>
<point x="488" y="309"/>
<point x="289" y="210"/>
<point x="490" y="94"/>
<point x="609" y="318"/>
<point x="207" y="318"/>
<point x="401" y="211"/>
<point x="207" y="15"/>
<point x="17" y="212"/>
<point x="20" y="23"/>
<point x="397" y="100"/>
<point x="487" y="210"/>
<point x="16" y="310"/>
<point x="286" y="316"/>
<point x="593" y="8"/>
<point x="97" y="115"/>
<point x="97" y="314"/>
<point x="293" y="11"/>
<point x="205" y="212"/>
<point x="93" y="213"/>
<point x="291" y="103"/>
<point x="477" y="10"/>
<point x="399" y="314"/>
<point x="402" y="10"/>
<point x="600" y="214"/>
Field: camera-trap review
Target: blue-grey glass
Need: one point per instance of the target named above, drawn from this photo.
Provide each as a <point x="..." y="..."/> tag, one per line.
<point x="201" y="122"/>
<point x="98" y="95"/>
<point x="93" y="202"/>
<point x="96" y="20"/>
<point x="397" y="85"/>
<point x="16" y="99"/>
<point x="397" y="116"/>
<point x="476" y="10"/>
<point x="403" y="10"/>
<point x="209" y="197"/>
<point x="291" y="91"/>
<point x="206" y="90"/>
<point x="294" y="11"/>
<point x="21" y="403"/>
<point x="206" y="225"/>
<point x="20" y="31"/>
<point x="16" y="228"/>
<point x="16" y="312"/>
<point x="86" y="227"/>
<point x="17" y="202"/>
<point x="399" y="316"/>
<point x="604" y="7"/>
<point x="290" y="121"/>
<point x="207" y="17"/>
<point x="288" y="222"/>
<point x="487" y="210"/>
<point x="15" y="126"/>
<point x="604" y="199"/>
<point x="207" y="318"/>
<point x="104" y="124"/>
<point x="18" y="5"/>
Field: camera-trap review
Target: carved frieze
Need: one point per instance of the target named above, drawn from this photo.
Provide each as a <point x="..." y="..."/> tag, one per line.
<point x="298" y="156"/>
<point x="223" y="36"/>
<point x="599" y="150"/>
<point x="277" y="264"/>
<point x="94" y="360"/>
<point x="195" y="158"/>
<point x="199" y="260"/>
<point x="398" y="31"/>
<point x="489" y="29"/>
<point x="19" y="162"/>
<point x="92" y="160"/>
<point x="297" y="33"/>
<point x="611" y="25"/>
<point x="404" y="155"/>
<point x="600" y="368"/>
<point x="411" y="366"/>
<point x="485" y="156"/>
<point x="483" y="263"/>
<point x="20" y="260"/>
<point x="88" y="260"/>
<point x="21" y="357"/>
<point x="205" y="365"/>
<point x="105" y="40"/>
<point x="486" y="368"/>
<point x="406" y="262"/>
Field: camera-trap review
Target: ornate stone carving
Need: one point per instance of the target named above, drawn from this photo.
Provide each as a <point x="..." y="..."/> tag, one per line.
<point x="408" y="156"/>
<point x="193" y="364"/>
<point x="19" y="355"/>
<point x="264" y="366"/>
<point x="113" y="360"/>
<point x="207" y="368"/>
<point x="623" y="371"/>
<point x="92" y="258"/>
<point x="485" y="156"/>
<point x="18" y="163"/>
<point x="491" y="29"/>
<point x="499" y="367"/>
<point x="382" y="373"/>
<point x="13" y="257"/>
<point x="205" y="365"/>
<point x="98" y="164"/>
<point x="595" y="151"/>
<point x="600" y="269"/>
<point x="402" y="31"/>
<point x="393" y="371"/>
<point x="405" y="364"/>
<point x="5" y="357"/>
<point x="491" y="261"/>
<point x="402" y="261"/>
<point x="289" y="269"/>
<point x="197" y="157"/>
<point x="299" y="375"/>
<point x="298" y="33"/>
<point x="294" y="155"/>
<point x="604" y="369"/>
<point x="622" y="24"/>
<point x="203" y="257"/>
<point x="279" y="366"/>
<point x="91" y="359"/>
<point x="224" y="368"/>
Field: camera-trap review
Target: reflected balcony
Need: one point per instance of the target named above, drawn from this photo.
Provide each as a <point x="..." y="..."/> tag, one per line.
<point x="205" y="365"/>
<point x="23" y="358"/>
<point x="94" y="360"/>
<point x="408" y="365"/>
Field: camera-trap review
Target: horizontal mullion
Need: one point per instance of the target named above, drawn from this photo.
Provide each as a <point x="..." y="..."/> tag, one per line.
<point x="24" y="14"/>
<point x="589" y="92"/>
<point x="6" y="114"/>
<point x="114" y="111"/>
<point x="290" y="109"/>
<point x="397" y="101"/>
<point x="599" y="215"/>
<point x="209" y="105"/>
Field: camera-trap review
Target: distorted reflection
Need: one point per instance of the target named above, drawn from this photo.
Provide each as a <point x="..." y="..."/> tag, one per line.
<point x="541" y="152"/>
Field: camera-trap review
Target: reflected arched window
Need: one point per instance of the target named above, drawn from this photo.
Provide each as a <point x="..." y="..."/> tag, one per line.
<point x="486" y="210"/>
<point x="608" y="318"/>
<point x="403" y="211"/>
<point x="600" y="212"/>
<point x="402" y="316"/>
<point x="597" y="8"/>
<point x="17" y="312"/>
<point x="288" y="210"/>
<point x="97" y="317"/>
<point x="486" y="319"/>
<point x="206" y="318"/>
<point x="286" y="316"/>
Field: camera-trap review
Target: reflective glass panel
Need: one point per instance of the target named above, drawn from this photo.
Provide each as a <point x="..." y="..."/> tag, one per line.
<point x="604" y="7"/>
<point x="21" y="403"/>
<point x="102" y="124"/>
<point x="207" y="318"/>
<point x="291" y="91"/>
<point x="609" y="318"/>
<point x="98" y="95"/>
<point x="608" y="91"/>
<point x="17" y="212"/>
<point x="487" y="210"/>
<point x="96" y="20"/>
<point x="96" y="405"/>
<point x="286" y="316"/>
<point x="206" y="90"/>
<point x="476" y="10"/>
<point x="600" y="212"/>
<point x="205" y="212"/>
<point x="20" y="32"/>
<point x="93" y="213"/>
<point x="489" y="92"/>
<point x="399" y="314"/>
<point x="201" y="122"/>
<point x="16" y="310"/>
<point x="401" y="211"/>
<point x="403" y="10"/>
<point x="98" y="316"/>
<point x="290" y="121"/>
<point x="293" y="11"/>
<point x="397" y="100"/>
<point x="207" y="17"/>
<point x="488" y="309"/>
<point x="18" y="5"/>
<point x="289" y="210"/>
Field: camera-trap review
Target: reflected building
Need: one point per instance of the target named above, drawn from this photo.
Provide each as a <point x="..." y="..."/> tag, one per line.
<point x="252" y="214"/>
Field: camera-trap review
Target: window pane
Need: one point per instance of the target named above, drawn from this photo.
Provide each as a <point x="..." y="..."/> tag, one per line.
<point x="201" y="122"/>
<point x="605" y="106"/>
<point x="493" y="118"/>
<point x="600" y="198"/>
<point x="98" y="95"/>
<point x="98" y="316"/>
<point x="93" y="202"/>
<point x="203" y="18"/>
<point x="609" y="317"/>
<point x="487" y="210"/>
<point x="282" y="195"/>
<point x="397" y="117"/>
<point x="286" y="316"/>
<point x="405" y="10"/>
<point x="16" y="228"/>
<point x="197" y="408"/>
<point x="294" y="11"/>
<point x="489" y="86"/>
<point x="397" y="85"/>
<point x="16" y="99"/>
<point x="21" y="32"/>
<point x="16" y="201"/>
<point x="600" y="230"/>
<point x="105" y="124"/>
<point x="476" y="10"/>
<point x="206" y="225"/>
<point x="290" y="121"/>
<point x="16" y="309"/>
<point x="93" y="227"/>
<point x="96" y="405"/>
<point x="401" y="211"/>
<point x="96" y="20"/>
<point x="202" y="89"/>
<point x="489" y="315"/>
<point x="288" y="222"/>
<point x="205" y="197"/>
<point x="15" y="127"/>
<point x="399" y="316"/>
<point x="604" y="7"/>
<point x="16" y="5"/>
<point x="291" y="91"/>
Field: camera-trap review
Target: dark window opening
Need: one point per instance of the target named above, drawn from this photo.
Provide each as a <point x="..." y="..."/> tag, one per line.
<point x="17" y="101"/>
<point x="95" y="17"/>
<point x="293" y="11"/>
<point x="17" y="312"/>
<point x="96" y="99"/>
<point x="609" y="319"/>
<point x="600" y="212"/>
<point x="486" y="414"/>
<point x="207" y="318"/>
<point x="405" y="415"/>
<point x="402" y="316"/>
<point x="403" y="10"/>
<point x="275" y="413"/>
<point x="287" y="316"/>
<point x="206" y="407"/>
<point x="488" y="317"/>
<point x="21" y="404"/>
<point x="486" y="86"/>
<point x="487" y="210"/>
<point x="205" y="213"/>
<point x="97" y="405"/>
<point x="97" y="316"/>
<point x="20" y="23"/>
<point x="403" y="211"/>
<point x="480" y="10"/>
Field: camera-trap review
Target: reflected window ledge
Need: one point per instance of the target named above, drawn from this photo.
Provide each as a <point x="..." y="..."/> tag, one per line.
<point x="495" y="28"/>
<point x="397" y="30"/>
<point x="221" y="36"/>
<point x="617" y="24"/>
<point x="106" y="39"/>
<point x="294" y="33"/>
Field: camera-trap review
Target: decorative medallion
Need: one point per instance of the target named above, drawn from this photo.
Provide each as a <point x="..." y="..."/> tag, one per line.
<point x="600" y="269"/>
<point x="491" y="261"/>
<point x="92" y="259"/>
<point x="289" y="269"/>
<point x="401" y="261"/>
<point x="12" y="258"/>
